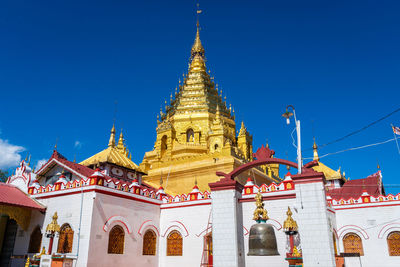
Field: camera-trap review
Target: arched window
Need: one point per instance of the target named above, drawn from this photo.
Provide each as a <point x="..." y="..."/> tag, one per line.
<point x="190" y="136"/>
<point x="352" y="244"/>
<point x="35" y="240"/>
<point x="393" y="241"/>
<point x="174" y="244"/>
<point x="164" y="145"/>
<point x="65" y="239"/>
<point x="149" y="243"/>
<point x="116" y="240"/>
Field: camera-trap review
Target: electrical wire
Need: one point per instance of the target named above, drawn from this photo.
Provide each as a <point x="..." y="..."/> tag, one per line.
<point x="357" y="131"/>
<point x="355" y="148"/>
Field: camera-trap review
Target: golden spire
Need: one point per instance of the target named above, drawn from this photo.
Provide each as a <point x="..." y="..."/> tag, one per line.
<point x="121" y="141"/>
<point x="197" y="48"/>
<point x="111" y="142"/>
<point x="260" y="214"/>
<point x="315" y="148"/>
<point x="242" y="130"/>
<point x="217" y="119"/>
<point x="289" y="224"/>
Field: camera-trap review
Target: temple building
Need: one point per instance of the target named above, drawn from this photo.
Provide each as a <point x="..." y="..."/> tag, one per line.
<point x="202" y="197"/>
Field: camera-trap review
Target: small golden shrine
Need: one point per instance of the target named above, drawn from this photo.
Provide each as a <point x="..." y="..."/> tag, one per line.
<point x="116" y="154"/>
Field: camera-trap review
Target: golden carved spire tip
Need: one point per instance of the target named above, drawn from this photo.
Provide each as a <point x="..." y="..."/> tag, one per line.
<point x="260" y="213"/>
<point x="121" y="141"/>
<point x="111" y="142"/>
<point x="315" y="148"/>
<point x="53" y="226"/>
<point x="289" y="224"/>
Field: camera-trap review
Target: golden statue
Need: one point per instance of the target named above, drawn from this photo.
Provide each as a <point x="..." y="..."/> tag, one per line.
<point x="260" y="214"/>
<point x="27" y="262"/>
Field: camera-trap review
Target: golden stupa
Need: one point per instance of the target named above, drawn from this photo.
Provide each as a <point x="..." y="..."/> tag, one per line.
<point x="196" y="135"/>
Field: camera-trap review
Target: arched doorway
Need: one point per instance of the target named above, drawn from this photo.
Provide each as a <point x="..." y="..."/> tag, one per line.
<point x="8" y="242"/>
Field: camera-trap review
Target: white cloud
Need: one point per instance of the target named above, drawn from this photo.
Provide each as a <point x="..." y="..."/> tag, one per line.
<point x="9" y="154"/>
<point x="40" y="163"/>
<point x="78" y="145"/>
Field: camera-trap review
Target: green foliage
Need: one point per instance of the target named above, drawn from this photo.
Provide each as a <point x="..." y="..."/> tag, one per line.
<point x="3" y="176"/>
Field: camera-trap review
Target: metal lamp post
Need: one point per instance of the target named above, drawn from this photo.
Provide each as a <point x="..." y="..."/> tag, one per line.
<point x="51" y="230"/>
<point x="287" y="115"/>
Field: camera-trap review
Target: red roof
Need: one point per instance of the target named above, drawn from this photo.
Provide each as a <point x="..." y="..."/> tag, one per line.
<point x="13" y="196"/>
<point x="354" y="188"/>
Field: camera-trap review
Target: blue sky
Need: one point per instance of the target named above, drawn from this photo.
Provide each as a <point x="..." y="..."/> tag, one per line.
<point x="65" y="63"/>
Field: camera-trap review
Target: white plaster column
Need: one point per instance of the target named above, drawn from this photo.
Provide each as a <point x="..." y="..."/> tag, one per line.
<point x="314" y="226"/>
<point x="227" y="224"/>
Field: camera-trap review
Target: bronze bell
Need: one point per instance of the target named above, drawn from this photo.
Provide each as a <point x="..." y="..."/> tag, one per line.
<point x="262" y="240"/>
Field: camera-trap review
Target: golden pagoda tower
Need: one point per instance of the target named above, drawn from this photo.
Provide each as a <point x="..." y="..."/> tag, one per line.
<point x="196" y="135"/>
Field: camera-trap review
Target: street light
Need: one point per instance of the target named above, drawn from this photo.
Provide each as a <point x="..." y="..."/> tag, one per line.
<point x="51" y="230"/>
<point x="287" y="115"/>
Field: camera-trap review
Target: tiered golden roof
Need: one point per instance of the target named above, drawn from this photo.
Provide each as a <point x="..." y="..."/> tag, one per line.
<point x="115" y="154"/>
<point x="329" y="173"/>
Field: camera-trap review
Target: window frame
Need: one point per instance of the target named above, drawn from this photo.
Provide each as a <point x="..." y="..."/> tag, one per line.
<point x="153" y="246"/>
<point x="112" y="249"/>
<point x="170" y="251"/>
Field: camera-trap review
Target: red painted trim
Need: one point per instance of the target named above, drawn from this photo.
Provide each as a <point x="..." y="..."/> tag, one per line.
<point x="226" y="184"/>
<point x="353" y="227"/>
<point x="309" y="180"/>
<point x="395" y="228"/>
<point x="98" y="190"/>
<point x="151" y="225"/>
<point x="331" y="211"/>
<point x="247" y="231"/>
<point x="174" y="225"/>
<point x="287" y="196"/>
<point x="384" y="227"/>
<point x="127" y="229"/>
<point x="142" y="226"/>
<point x="375" y="206"/>
<point x="184" y="206"/>
<point x="198" y="235"/>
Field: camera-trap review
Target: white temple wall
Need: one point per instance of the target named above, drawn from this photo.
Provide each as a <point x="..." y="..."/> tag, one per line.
<point x="68" y="208"/>
<point x="372" y="224"/>
<point x="109" y="211"/>
<point x="277" y="213"/>
<point x="191" y="221"/>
